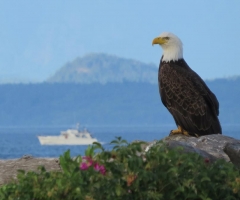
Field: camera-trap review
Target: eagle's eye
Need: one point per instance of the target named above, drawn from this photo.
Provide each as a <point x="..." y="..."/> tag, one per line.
<point x="166" y="38"/>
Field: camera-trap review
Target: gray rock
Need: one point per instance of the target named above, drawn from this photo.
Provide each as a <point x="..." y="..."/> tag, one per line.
<point x="213" y="147"/>
<point x="187" y="148"/>
<point x="233" y="151"/>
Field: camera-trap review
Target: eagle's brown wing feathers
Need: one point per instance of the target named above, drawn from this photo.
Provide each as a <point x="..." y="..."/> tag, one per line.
<point x="193" y="106"/>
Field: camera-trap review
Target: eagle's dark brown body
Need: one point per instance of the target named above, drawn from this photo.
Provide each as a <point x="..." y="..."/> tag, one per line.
<point x="193" y="106"/>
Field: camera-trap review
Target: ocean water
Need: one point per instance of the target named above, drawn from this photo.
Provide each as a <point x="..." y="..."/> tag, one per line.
<point x="16" y="142"/>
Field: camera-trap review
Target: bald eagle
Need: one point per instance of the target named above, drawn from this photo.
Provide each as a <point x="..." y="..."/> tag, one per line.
<point x="193" y="106"/>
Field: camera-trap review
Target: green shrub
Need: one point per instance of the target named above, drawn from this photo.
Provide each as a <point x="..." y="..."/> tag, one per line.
<point x="126" y="172"/>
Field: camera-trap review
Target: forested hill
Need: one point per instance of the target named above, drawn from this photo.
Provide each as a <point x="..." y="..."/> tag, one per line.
<point x="127" y="103"/>
<point x="104" y="68"/>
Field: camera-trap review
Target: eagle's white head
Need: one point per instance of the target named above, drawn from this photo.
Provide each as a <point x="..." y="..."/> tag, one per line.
<point x="171" y="45"/>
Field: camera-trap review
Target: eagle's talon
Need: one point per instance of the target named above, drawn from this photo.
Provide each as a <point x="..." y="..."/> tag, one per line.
<point x="180" y="130"/>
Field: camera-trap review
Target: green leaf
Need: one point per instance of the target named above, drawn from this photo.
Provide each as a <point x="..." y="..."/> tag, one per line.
<point x="89" y="151"/>
<point x="205" y="179"/>
<point x="114" y="142"/>
<point x="98" y="145"/>
<point x="118" y="190"/>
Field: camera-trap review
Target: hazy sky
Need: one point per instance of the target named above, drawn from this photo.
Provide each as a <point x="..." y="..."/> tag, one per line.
<point x="38" y="37"/>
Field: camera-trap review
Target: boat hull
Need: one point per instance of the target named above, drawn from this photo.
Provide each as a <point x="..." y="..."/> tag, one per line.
<point x="56" y="140"/>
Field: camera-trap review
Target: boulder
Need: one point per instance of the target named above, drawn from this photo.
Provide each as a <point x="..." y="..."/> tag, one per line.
<point x="213" y="147"/>
<point x="233" y="151"/>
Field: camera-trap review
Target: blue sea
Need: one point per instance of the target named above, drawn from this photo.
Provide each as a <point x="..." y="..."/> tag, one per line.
<point x="16" y="142"/>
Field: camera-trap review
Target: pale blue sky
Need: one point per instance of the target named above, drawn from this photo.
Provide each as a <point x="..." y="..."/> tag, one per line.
<point x="38" y="37"/>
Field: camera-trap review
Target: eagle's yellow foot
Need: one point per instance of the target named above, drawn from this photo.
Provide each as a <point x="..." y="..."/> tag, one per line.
<point x="180" y="130"/>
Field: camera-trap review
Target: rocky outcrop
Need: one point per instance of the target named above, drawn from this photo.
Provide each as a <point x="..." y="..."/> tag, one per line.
<point x="233" y="151"/>
<point x="212" y="147"/>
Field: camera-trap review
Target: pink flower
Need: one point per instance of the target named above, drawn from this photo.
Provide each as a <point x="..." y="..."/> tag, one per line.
<point x="88" y="162"/>
<point x="84" y="166"/>
<point x="87" y="158"/>
<point x="103" y="170"/>
<point x="100" y="168"/>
